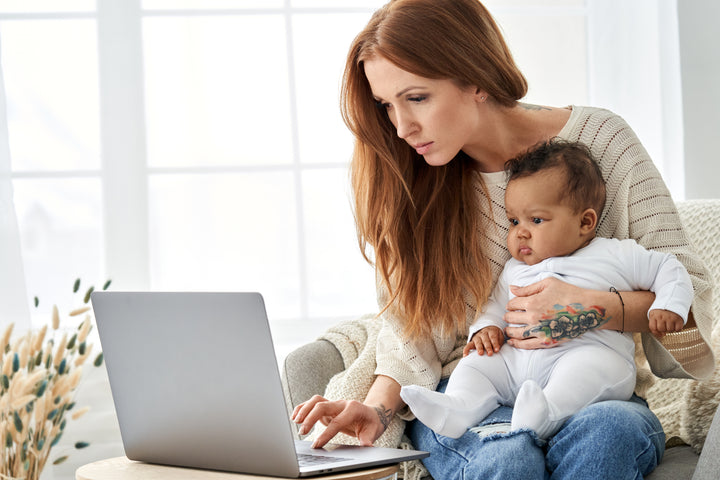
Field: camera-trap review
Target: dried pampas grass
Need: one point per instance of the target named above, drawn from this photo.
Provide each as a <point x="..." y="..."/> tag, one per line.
<point x="38" y="380"/>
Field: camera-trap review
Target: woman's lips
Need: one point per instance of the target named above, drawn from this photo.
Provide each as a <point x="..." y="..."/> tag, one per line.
<point x="422" y="148"/>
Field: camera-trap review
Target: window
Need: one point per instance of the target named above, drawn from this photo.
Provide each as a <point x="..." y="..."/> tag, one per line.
<point x="198" y="145"/>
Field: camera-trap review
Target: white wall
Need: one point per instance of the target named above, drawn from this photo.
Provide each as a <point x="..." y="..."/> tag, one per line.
<point x="700" y="60"/>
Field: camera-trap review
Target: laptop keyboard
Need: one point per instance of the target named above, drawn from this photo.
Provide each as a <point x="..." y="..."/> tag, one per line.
<point x="308" y="460"/>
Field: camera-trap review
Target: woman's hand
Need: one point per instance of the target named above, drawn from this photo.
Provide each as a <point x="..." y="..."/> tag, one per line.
<point x="353" y="418"/>
<point x="550" y="312"/>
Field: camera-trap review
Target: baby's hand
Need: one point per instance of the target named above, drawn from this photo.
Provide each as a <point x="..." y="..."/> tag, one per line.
<point x="489" y="340"/>
<point x="664" y="321"/>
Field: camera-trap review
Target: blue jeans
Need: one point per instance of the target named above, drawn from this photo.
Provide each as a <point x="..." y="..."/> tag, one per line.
<point x="606" y="440"/>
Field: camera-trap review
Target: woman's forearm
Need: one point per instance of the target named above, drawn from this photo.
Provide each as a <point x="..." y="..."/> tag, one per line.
<point x="628" y="316"/>
<point x="384" y="397"/>
<point x="575" y="311"/>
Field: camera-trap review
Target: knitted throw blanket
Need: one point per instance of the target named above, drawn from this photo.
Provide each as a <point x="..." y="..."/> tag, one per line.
<point x="686" y="407"/>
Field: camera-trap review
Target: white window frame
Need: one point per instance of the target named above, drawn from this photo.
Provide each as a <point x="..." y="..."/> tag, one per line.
<point x="124" y="170"/>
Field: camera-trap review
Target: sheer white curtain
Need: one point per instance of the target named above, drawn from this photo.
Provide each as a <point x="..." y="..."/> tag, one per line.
<point x="634" y="69"/>
<point x="615" y="54"/>
<point x="13" y="296"/>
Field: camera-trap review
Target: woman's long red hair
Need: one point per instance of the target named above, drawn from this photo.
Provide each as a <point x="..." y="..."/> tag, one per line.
<point x="420" y="224"/>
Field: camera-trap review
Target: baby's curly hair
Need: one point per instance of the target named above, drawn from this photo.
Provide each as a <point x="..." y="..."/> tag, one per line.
<point x="585" y="187"/>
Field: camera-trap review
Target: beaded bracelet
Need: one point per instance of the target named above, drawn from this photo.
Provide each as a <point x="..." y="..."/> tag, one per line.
<point x="614" y="290"/>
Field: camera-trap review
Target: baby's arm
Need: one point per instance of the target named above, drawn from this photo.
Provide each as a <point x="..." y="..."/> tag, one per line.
<point x="489" y="340"/>
<point x="667" y="277"/>
<point x="487" y="334"/>
<point x="664" y="321"/>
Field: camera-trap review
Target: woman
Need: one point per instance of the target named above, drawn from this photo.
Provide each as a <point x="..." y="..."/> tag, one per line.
<point x="431" y="93"/>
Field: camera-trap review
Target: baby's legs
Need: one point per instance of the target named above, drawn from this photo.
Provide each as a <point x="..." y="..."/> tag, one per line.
<point x="476" y="387"/>
<point x="581" y="376"/>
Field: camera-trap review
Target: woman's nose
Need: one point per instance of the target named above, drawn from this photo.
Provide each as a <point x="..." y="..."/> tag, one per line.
<point x="405" y="125"/>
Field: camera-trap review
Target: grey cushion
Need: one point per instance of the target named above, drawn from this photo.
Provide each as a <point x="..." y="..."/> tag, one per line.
<point x="708" y="466"/>
<point x="678" y="463"/>
<point x="307" y="370"/>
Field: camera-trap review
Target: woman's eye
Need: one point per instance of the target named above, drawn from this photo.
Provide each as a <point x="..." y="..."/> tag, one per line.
<point x="417" y="98"/>
<point x="537" y="220"/>
<point x="382" y="105"/>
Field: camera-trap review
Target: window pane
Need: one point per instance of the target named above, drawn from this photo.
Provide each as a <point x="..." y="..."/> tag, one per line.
<point x="217" y="91"/>
<point x="61" y="233"/>
<point x="230" y="232"/>
<point x="51" y="81"/>
<point x="498" y="4"/>
<point x="209" y="4"/>
<point x="37" y="6"/>
<point x="374" y="4"/>
<point x="340" y="282"/>
<point x="554" y="80"/>
<point x="319" y="67"/>
<point x="490" y="4"/>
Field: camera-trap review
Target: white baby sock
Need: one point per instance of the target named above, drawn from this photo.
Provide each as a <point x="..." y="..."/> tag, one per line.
<point x="532" y="410"/>
<point x="448" y="415"/>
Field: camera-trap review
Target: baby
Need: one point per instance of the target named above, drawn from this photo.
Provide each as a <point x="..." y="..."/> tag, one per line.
<point x="554" y="197"/>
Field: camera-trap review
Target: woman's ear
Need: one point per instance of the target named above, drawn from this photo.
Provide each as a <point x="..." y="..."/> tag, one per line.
<point x="481" y="95"/>
<point x="588" y="221"/>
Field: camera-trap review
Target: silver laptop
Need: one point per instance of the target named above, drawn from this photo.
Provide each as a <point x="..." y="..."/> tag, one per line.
<point x="195" y="382"/>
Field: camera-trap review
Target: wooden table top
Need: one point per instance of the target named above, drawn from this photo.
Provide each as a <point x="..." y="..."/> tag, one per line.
<point x="121" y="468"/>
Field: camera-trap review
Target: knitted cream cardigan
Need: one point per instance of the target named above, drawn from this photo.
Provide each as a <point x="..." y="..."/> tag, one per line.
<point x="638" y="206"/>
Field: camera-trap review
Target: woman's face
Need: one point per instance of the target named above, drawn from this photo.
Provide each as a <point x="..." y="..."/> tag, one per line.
<point x="435" y="117"/>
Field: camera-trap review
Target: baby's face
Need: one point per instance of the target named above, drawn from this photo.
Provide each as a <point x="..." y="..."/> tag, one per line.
<point x="541" y="224"/>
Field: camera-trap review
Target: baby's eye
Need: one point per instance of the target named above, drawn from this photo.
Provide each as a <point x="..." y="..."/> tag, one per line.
<point x="513" y="222"/>
<point x="537" y="220"/>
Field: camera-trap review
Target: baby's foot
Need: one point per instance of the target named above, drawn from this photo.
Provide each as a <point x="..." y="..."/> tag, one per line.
<point x="533" y="411"/>
<point x="445" y="414"/>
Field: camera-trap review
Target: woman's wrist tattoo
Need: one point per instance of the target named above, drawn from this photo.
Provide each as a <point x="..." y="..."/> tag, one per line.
<point x="385" y="415"/>
<point x="569" y="321"/>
